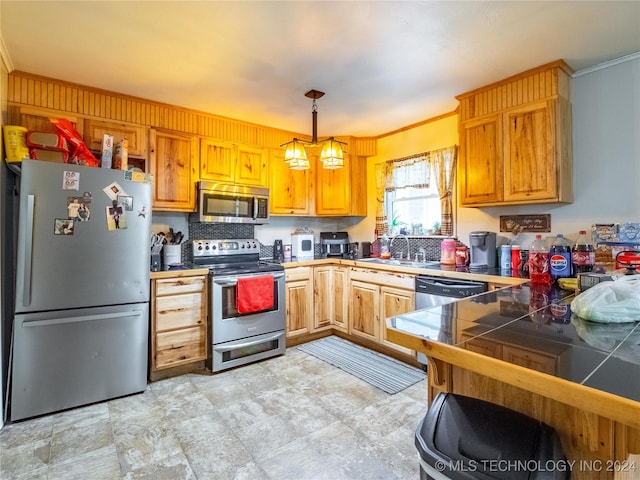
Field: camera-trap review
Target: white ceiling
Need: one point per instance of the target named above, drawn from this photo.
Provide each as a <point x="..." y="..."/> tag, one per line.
<point x="383" y="65"/>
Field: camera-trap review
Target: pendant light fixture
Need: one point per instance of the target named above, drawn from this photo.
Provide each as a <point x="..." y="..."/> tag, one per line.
<point x="331" y="154"/>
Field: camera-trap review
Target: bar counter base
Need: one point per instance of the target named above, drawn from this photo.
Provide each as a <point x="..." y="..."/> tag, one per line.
<point x="599" y="445"/>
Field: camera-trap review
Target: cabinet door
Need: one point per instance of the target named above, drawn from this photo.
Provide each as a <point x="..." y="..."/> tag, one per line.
<point x="173" y="160"/>
<point x="323" y="303"/>
<point x="37" y="120"/>
<point x="217" y="160"/>
<point x="136" y="135"/>
<point x="364" y="310"/>
<point x="333" y="191"/>
<point x="289" y="190"/>
<point x="340" y="299"/>
<point x="480" y="172"/>
<point x="529" y="156"/>
<point x="299" y="301"/>
<point x="394" y="301"/>
<point x="178" y="321"/>
<point x="251" y="166"/>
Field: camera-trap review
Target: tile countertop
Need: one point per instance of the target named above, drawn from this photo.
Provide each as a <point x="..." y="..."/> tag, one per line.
<point x="538" y="322"/>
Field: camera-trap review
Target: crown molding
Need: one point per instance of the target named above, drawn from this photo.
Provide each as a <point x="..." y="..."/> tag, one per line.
<point x="4" y="55"/>
<point x="607" y="64"/>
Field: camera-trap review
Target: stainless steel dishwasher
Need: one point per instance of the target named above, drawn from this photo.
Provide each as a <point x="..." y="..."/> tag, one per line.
<point x="432" y="292"/>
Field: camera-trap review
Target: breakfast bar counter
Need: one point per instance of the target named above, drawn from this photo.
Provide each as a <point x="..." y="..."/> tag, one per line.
<point x="521" y="347"/>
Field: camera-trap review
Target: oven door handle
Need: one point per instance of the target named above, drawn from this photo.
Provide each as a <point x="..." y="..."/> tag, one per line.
<point x="248" y="344"/>
<point x="230" y="281"/>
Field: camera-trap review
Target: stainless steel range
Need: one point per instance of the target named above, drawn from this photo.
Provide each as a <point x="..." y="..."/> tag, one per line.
<point x="248" y="318"/>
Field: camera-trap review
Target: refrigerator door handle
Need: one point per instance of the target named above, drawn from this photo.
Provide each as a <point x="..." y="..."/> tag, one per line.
<point x="83" y="318"/>
<point x="28" y="249"/>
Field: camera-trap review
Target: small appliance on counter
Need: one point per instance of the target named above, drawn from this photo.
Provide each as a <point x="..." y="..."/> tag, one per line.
<point x="482" y="250"/>
<point x="278" y="251"/>
<point x="360" y="250"/>
<point x="334" y="244"/>
<point x="302" y="245"/>
<point x="364" y="249"/>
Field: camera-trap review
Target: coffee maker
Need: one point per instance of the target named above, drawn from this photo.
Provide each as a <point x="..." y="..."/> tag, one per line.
<point x="482" y="250"/>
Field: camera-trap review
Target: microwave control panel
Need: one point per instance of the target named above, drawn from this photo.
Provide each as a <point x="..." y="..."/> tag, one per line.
<point x="263" y="208"/>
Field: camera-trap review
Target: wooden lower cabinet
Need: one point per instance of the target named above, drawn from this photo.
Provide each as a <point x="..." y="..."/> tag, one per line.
<point x="545" y="361"/>
<point x="178" y="321"/>
<point x="299" y="300"/>
<point x="395" y="301"/>
<point x="364" y="310"/>
<point x="330" y="298"/>
<point x="375" y="296"/>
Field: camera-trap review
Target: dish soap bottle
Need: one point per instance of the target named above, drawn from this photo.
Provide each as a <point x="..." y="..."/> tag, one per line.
<point x="384" y="247"/>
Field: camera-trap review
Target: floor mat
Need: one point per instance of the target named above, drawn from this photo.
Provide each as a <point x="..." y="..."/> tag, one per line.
<point x="381" y="371"/>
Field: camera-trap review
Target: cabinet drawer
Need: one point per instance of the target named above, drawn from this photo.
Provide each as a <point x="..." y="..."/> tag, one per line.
<point x="180" y="346"/>
<point x="526" y="358"/>
<point x="178" y="311"/>
<point x="297" y="273"/>
<point x="390" y="279"/>
<point x="172" y="286"/>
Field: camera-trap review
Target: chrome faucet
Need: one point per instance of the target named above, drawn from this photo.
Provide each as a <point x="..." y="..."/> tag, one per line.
<point x="408" y="247"/>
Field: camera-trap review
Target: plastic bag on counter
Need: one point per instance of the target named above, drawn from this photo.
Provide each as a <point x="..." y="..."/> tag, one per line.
<point x="610" y="302"/>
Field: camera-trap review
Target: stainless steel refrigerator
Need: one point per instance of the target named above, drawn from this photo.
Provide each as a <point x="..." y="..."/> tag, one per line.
<point x="80" y="329"/>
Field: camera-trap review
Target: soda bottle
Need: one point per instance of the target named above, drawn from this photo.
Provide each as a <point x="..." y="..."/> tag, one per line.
<point x="539" y="262"/>
<point x="560" y="258"/>
<point x="583" y="254"/>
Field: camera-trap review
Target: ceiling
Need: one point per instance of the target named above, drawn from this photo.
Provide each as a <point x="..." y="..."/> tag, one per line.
<point x="383" y="65"/>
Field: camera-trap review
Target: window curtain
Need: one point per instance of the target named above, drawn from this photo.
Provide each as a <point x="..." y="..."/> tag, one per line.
<point x="413" y="171"/>
<point x="444" y="165"/>
<point x="381" y="218"/>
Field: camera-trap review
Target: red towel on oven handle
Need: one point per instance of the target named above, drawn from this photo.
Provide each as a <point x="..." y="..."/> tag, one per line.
<point x="254" y="294"/>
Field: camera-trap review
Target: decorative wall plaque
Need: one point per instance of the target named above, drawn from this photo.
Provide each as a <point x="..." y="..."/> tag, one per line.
<point x="525" y="223"/>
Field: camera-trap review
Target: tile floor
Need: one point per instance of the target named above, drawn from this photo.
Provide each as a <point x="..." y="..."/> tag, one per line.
<point x="290" y="417"/>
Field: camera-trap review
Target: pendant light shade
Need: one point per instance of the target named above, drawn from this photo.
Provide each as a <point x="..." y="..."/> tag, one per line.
<point x="331" y="154"/>
<point x="296" y="156"/>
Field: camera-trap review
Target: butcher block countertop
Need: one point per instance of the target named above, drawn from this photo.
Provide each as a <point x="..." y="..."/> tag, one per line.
<point x="187" y="271"/>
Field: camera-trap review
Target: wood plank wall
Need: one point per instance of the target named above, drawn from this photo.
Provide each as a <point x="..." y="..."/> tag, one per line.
<point x="25" y="89"/>
<point x="547" y="81"/>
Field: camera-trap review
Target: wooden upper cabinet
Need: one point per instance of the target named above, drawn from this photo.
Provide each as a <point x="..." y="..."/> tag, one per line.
<point x="136" y="135"/>
<point x="480" y="164"/>
<point x="289" y="190"/>
<point x="173" y="163"/>
<point x="37" y="119"/>
<point x="226" y="162"/>
<point x="529" y="157"/>
<point x="217" y="160"/>
<point x="342" y="191"/>
<point x="251" y="166"/>
<point x="515" y="140"/>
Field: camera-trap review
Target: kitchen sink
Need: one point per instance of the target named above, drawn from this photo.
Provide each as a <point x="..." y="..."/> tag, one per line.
<point x="402" y="263"/>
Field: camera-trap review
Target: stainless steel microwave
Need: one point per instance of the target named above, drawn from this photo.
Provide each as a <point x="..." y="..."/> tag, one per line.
<point x="227" y="203"/>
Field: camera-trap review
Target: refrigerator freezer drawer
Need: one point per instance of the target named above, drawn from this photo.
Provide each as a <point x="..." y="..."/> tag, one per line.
<point x="65" y="359"/>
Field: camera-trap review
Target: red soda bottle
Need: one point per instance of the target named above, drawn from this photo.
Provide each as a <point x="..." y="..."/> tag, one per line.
<point x="583" y="254"/>
<point x="539" y="262"/>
